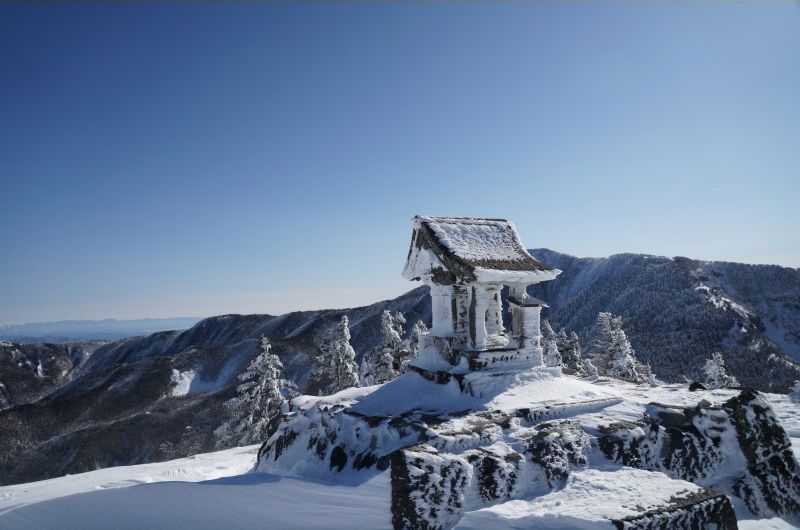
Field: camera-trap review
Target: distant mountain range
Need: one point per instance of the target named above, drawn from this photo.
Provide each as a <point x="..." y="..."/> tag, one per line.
<point x="678" y="311"/>
<point x="82" y="330"/>
<point x="84" y="405"/>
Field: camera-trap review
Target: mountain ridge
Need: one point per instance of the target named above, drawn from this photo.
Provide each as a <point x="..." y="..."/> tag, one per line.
<point x="71" y="407"/>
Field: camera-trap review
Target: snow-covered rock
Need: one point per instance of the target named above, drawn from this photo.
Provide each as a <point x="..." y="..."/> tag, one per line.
<point x="738" y="446"/>
<point x="452" y="451"/>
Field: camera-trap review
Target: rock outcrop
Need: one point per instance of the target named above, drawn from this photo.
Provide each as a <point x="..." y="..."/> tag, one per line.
<point x="447" y="463"/>
<point x="739" y="447"/>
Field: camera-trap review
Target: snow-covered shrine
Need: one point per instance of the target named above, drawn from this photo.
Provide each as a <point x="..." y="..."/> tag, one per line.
<point x="466" y="262"/>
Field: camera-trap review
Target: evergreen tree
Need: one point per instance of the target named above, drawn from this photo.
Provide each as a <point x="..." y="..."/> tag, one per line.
<point x="413" y="342"/>
<point x="571" y="352"/>
<point x="337" y="368"/>
<point x="602" y="337"/>
<point x="259" y="399"/>
<point x="385" y="361"/>
<point x="562" y="341"/>
<point x="716" y="375"/>
<point x="588" y="368"/>
<point x="622" y="358"/>
<point x="548" y="335"/>
<point x="398" y="321"/>
<point x="551" y="356"/>
<point x="646" y="374"/>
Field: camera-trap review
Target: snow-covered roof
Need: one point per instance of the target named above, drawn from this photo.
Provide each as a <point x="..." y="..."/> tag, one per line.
<point x="471" y="249"/>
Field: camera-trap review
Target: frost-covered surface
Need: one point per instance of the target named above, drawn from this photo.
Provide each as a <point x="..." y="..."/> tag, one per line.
<point x="591" y="498"/>
<point x="478" y="239"/>
<point x="472" y="249"/>
<point x="452" y="451"/>
<point x="508" y="470"/>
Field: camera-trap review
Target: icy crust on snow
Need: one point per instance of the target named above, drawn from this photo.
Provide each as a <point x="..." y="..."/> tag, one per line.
<point x="594" y="499"/>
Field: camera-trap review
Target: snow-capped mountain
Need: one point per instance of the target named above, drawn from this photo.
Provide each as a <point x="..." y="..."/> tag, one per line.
<point x="678" y="311"/>
<point x="81" y="406"/>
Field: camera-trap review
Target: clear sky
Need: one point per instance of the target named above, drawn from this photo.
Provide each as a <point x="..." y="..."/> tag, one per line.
<point x="197" y="159"/>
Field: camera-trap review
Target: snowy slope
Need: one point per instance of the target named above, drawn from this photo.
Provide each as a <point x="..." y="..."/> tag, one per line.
<point x="192" y="493"/>
<point x="215" y="490"/>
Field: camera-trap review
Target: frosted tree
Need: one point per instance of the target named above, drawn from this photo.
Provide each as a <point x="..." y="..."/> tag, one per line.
<point x="551" y="356"/>
<point x="550" y="345"/>
<point x="602" y="337"/>
<point x="621" y="356"/>
<point x="413" y="342"/>
<point x="571" y="351"/>
<point x="588" y="368"/>
<point x="794" y="392"/>
<point x="385" y="361"/>
<point x="548" y="335"/>
<point x="562" y="340"/>
<point x="259" y="399"/>
<point x="716" y="375"/>
<point x="337" y="368"/>
<point x="398" y="321"/>
<point x="646" y="374"/>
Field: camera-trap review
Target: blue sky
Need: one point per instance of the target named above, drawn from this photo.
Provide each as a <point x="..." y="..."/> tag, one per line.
<point x="196" y="159"/>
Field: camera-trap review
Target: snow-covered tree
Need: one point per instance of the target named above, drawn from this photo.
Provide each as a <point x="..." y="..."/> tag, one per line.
<point x="716" y="375"/>
<point x="622" y="358"/>
<point x="612" y="353"/>
<point x="794" y="392"/>
<point x="413" y="342"/>
<point x="561" y="339"/>
<point x="337" y="368"/>
<point x="589" y="369"/>
<point x="602" y="337"/>
<point x="385" y="361"/>
<point x="571" y="351"/>
<point x="646" y="374"/>
<point x="548" y="335"/>
<point x="551" y="356"/>
<point x="259" y="399"/>
<point x="398" y="321"/>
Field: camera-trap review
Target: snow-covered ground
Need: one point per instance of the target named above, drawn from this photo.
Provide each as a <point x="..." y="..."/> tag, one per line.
<point x="216" y="490"/>
<point x="207" y="491"/>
